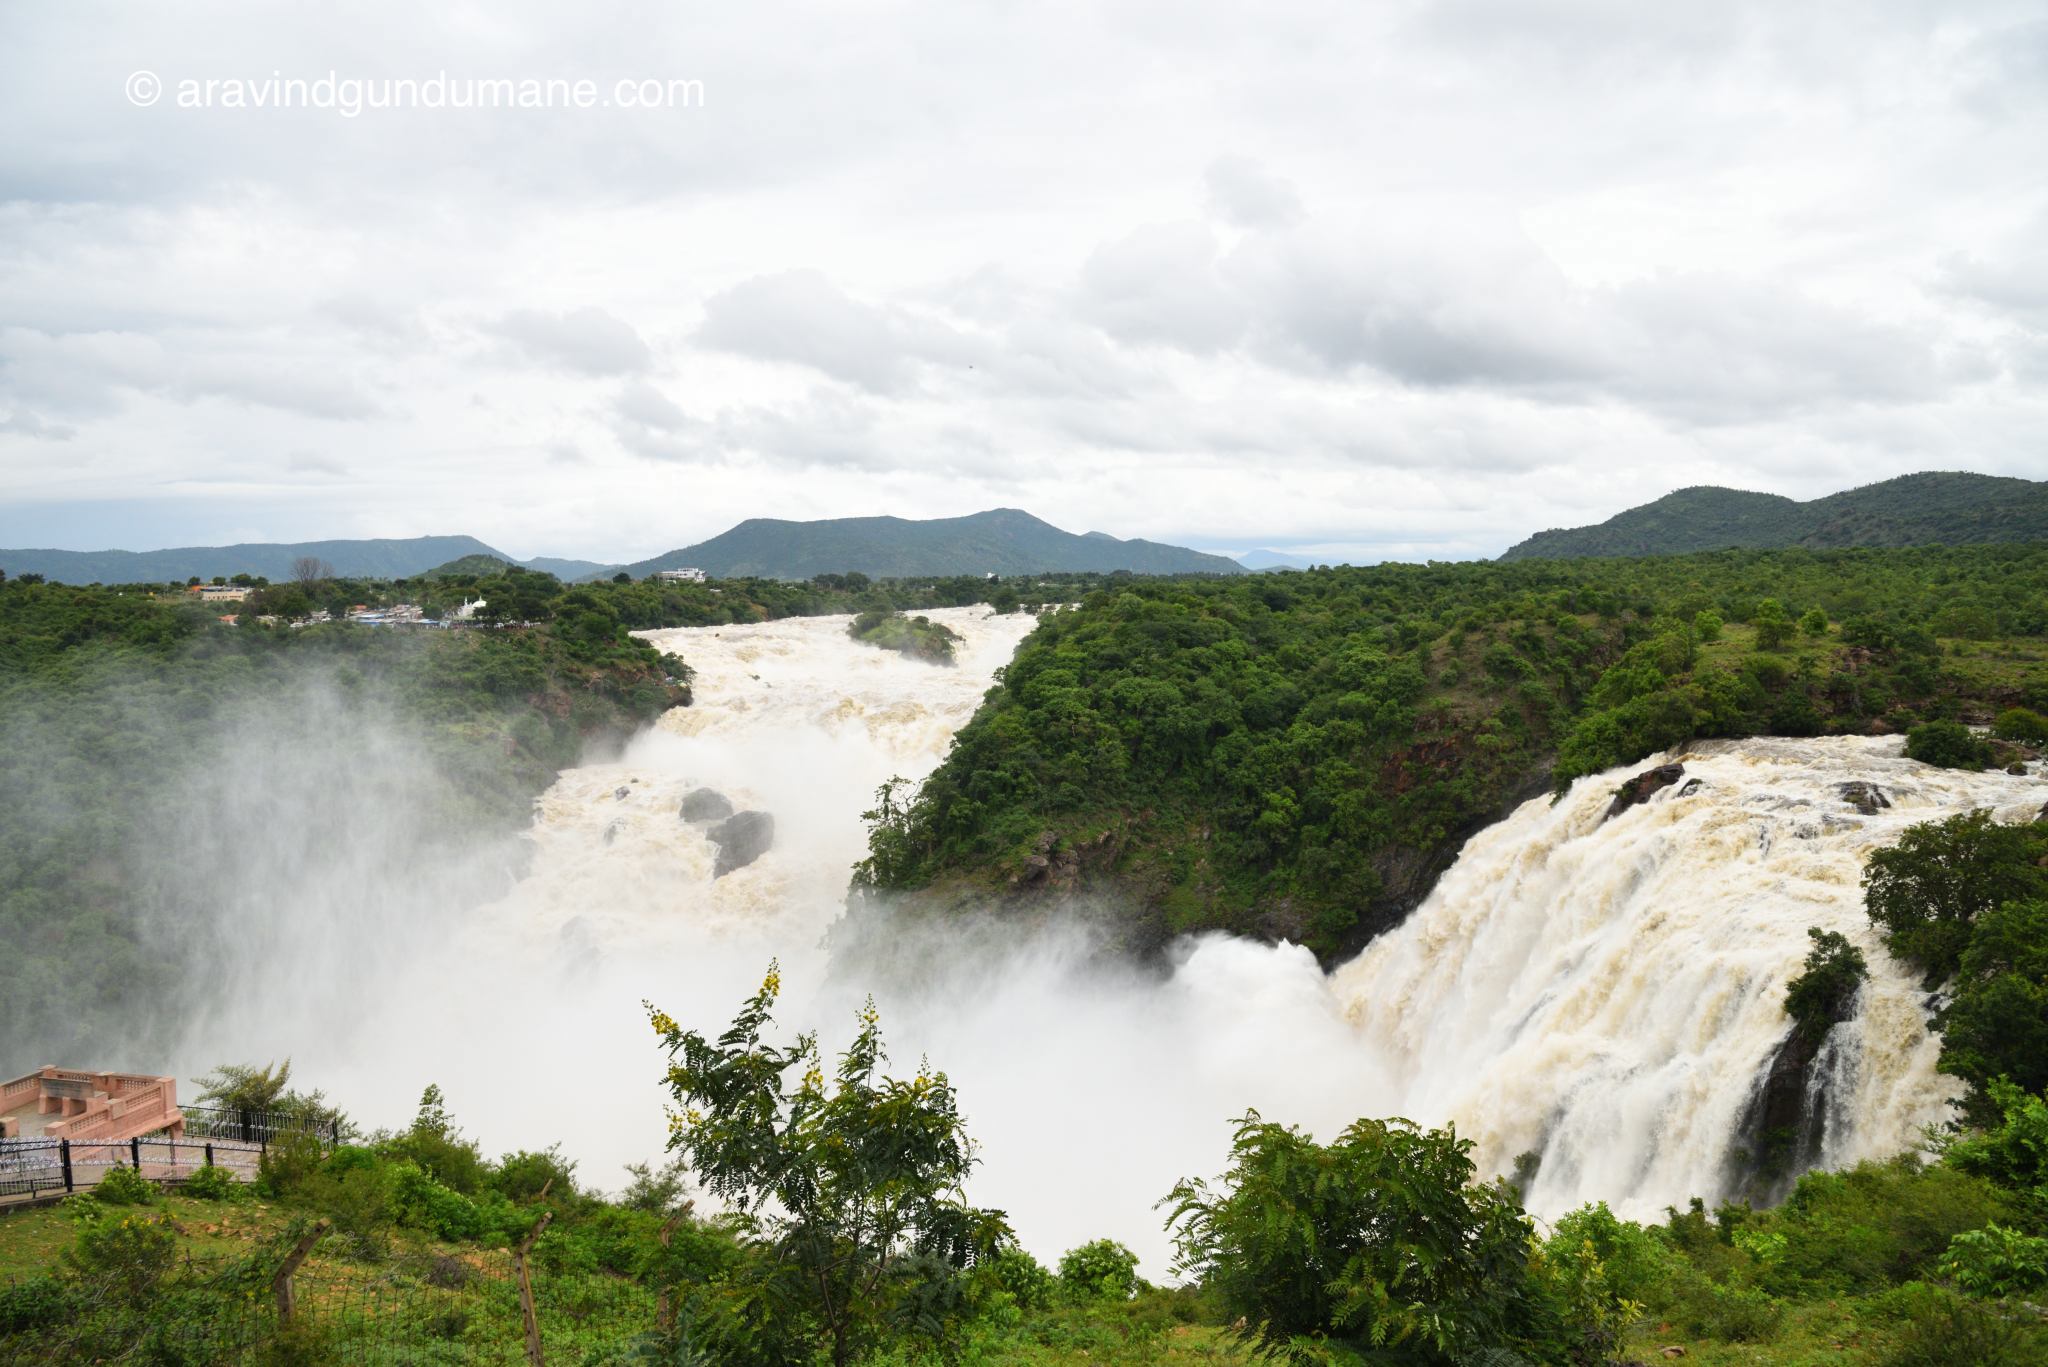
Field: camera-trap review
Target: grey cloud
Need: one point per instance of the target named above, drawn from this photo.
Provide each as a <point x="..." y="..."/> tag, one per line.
<point x="588" y="341"/>
<point x="802" y="318"/>
<point x="306" y="463"/>
<point x="22" y="423"/>
<point x="86" y="373"/>
<point x="1160" y="284"/>
<point x="650" y="424"/>
<point x="644" y="405"/>
<point x="1244" y="193"/>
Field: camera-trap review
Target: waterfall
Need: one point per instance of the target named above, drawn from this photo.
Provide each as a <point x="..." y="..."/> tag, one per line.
<point x="1605" y="993"/>
<point x="1602" y="993"/>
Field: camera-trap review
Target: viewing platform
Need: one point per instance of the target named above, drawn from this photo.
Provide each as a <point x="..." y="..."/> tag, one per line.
<point x="70" y="1103"/>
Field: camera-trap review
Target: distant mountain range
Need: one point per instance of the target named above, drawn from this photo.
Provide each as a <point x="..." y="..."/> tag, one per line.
<point x="1274" y="560"/>
<point x="378" y="559"/>
<point x="1936" y="508"/>
<point x="1003" y="541"/>
<point x="1000" y="541"/>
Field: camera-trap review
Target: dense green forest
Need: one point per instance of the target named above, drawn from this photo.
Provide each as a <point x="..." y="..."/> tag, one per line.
<point x="1299" y="755"/>
<point x="1948" y="509"/>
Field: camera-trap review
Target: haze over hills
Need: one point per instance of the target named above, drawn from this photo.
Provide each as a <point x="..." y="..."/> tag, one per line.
<point x="1000" y="541"/>
<point x="377" y="558"/>
<point x="1274" y="560"/>
<point x="1935" y="508"/>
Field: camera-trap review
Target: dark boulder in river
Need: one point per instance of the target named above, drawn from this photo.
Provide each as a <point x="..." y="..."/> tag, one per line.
<point x="702" y="804"/>
<point x="1866" y="798"/>
<point x="1639" y="788"/>
<point x="741" y="839"/>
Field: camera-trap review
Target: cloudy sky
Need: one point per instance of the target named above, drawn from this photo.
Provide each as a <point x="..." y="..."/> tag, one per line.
<point x="1367" y="279"/>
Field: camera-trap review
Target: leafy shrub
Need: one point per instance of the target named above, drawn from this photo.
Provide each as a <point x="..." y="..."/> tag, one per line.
<point x="1732" y="1314"/>
<point x="1997" y="1024"/>
<point x="1876" y="1225"/>
<point x="2023" y="725"/>
<point x="1819" y="997"/>
<point x="1601" y="1269"/>
<point x="123" y="1186"/>
<point x="1378" y="1239"/>
<point x="1814" y="623"/>
<point x="287" y="1162"/>
<point x="212" y="1184"/>
<point x="1707" y="624"/>
<point x="1022" y="1276"/>
<point x="1948" y="744"/>
<point x="425" y="1204"/>
<point x="1938" y="1328"/>
<point x="37" y="1303"/>
<point x="1773" y="624"/>
<point x="127" y="1254"/>
<point x="1996" y="1262"/>
<point x="1102" y="1269"/>
<point x="356" y="1199"/>
<point x="523" y="1176"/>
<point x="1926" y="891"/>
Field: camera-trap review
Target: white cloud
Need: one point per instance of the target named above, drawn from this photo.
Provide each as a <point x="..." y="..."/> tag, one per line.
<point x="1425" y="277"/>
<point x="586" y="340"/>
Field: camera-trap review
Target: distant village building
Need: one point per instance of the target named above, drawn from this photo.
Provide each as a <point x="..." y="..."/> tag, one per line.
<point x="683" y="576"/>
<point x="220" y="593"/>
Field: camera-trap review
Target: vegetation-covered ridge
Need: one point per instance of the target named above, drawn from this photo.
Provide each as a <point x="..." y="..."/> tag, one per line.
<point x="1299" y="756"/>
<point x="1001" y="541"/>
<point x="1946" y="508"/>
<point x="379" y="558"/>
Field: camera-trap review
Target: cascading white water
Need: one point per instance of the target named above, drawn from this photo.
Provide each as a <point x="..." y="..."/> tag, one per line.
<point x="1604" y="992"/>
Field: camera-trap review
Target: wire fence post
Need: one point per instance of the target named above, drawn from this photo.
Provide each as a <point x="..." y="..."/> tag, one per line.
<point x="281" y="1283"/>
<point x="209" y="1153"/>
<point x="64" y="1154"/>
<point x="526" y="1309"/>
<point x="135" y="1153"/>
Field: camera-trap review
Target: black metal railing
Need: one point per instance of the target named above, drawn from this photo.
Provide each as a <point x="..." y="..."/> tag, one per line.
<point x="34" y="1167"/>
<point x="256" y="1127"/>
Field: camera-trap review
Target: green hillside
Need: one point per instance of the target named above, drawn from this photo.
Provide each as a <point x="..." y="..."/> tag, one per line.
<point x="1299" y="756"/>
<point x="1001" y="541"/>
<point x="478" y="565"/>
<point x="381" y="558"/>
<point x="1952" y="509"/>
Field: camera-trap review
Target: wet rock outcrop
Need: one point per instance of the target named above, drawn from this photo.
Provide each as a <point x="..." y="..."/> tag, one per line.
<point x="1638" y="789"/>
<point x="705" y="804"/>
<point x="741" y="838"/>
<point x="1866" y="798"/>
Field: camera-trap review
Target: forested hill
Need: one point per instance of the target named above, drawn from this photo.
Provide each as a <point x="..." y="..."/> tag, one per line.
<point x="369" y="559"/>
<point x="159" y="768"/>
<point x="1947" y="509"/>
<point x="1000" y="541"/>
<point x="1299" y="756"/>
